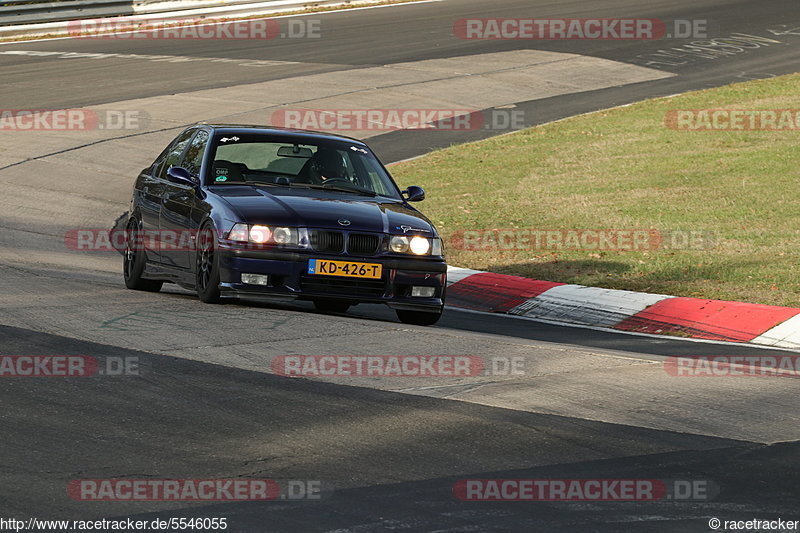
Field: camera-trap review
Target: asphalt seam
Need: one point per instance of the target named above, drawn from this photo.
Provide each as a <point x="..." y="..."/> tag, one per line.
<point x="93" y="143"/>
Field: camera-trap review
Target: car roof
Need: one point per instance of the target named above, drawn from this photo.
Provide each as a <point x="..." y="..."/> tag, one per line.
<point x="233" y="129"/>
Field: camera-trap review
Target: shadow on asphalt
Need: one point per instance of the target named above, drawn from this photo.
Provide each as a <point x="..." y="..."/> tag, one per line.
<point x="752" y="480"/>
<point x="392" y="458"/>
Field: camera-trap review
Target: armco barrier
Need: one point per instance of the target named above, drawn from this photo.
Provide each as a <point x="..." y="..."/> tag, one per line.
<point x="51" y="18"/>
<point x="33" y="13"/>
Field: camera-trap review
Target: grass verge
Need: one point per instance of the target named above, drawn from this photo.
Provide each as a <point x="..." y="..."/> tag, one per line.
<point x="624" y="169"/>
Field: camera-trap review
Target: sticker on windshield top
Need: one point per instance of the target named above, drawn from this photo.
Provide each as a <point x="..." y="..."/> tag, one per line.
<point x="222" y="178"/>
<point x="357" y="149"/>
<point x="226" y="139"/>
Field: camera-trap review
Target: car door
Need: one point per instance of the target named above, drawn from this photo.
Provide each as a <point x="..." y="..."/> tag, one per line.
<point x="151" y="196"/>
<point x="179" y="200"/>
<point x="148" y="206"/>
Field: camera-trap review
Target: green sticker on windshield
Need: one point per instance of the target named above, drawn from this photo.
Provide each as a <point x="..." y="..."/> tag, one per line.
<point x="222" y="178"/>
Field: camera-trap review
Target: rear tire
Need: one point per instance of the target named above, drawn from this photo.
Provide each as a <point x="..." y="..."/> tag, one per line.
<point x="331" y="306"/>
<point x="418" y="318"/>
<point x="207" y="261"/>
<point x="133" y="260"/>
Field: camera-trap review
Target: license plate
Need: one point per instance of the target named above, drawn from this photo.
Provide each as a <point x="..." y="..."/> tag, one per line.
<point x="348" y="269"/>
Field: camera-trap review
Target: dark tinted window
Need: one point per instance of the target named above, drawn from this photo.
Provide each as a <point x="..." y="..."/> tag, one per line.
<point x="193" y="159"/>
<point x="173" y="155"/>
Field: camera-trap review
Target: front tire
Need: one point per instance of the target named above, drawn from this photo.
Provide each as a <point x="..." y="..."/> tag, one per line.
<point x="207" y="271"/>
<point x="418" y="318"/>
<point x="133" y="260"/>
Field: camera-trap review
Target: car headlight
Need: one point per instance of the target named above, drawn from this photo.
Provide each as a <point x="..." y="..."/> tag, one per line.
<point x="283" y="236"/>
<point x="417" y="245"/>
<point x="399" y="244"/>
<point x="239" y="233"/>
<point x="261" y="234"/>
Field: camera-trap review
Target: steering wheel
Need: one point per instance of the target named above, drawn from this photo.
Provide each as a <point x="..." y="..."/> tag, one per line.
<point x="336" y="180"/>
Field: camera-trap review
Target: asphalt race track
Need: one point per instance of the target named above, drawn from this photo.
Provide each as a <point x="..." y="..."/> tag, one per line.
<point x="387" y="452"/>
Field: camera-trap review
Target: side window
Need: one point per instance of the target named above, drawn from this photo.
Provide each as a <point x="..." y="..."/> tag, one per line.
<point x="174" y="153"/>
<point x="369" y="175"/>
<point x="156" y="166"/>
<point x="193" y="159"/>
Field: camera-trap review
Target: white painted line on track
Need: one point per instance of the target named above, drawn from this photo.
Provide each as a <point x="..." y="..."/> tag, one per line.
<point x="147" y="57"/>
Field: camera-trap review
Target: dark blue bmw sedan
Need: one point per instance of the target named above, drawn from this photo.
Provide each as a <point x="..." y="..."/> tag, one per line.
<point x="268" y="213"/>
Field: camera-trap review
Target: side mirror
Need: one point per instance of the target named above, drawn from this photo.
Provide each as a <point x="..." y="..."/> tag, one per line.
<point x="414" y="194"/>
<point x="181" y="176"/>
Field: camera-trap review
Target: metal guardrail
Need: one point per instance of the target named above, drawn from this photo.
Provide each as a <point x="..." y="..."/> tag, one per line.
<point x="36" y="12"/>
<point x="60" y="11"/>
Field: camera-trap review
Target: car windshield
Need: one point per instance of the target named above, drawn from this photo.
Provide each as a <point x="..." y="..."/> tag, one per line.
<point x="340" y="167"/>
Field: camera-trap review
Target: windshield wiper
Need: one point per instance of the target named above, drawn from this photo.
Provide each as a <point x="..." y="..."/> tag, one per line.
<point x="363" y="192"/>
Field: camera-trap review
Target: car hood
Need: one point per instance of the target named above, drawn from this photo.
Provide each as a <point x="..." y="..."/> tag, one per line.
<point x="314" y="208"/>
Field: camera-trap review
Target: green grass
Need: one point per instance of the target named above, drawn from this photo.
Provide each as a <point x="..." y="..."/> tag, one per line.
<point x="624" y="169"/>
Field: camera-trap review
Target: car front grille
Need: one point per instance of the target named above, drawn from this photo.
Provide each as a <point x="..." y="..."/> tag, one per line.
<point x="362" y="244"/>
<point x="332" y="242"/>
<point x="327" y="241"/>
<point x="343" y="286"/>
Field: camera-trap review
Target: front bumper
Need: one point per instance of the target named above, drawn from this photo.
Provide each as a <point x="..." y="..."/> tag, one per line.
<point x="289" y="278"/>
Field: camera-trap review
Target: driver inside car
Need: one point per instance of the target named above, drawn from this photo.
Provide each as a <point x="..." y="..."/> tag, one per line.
<point x="329" y="164"/>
